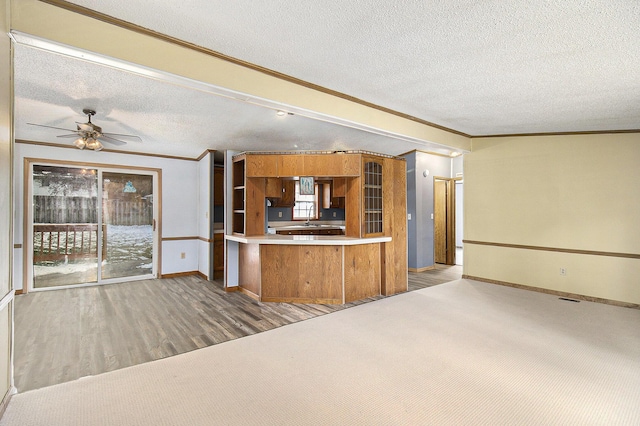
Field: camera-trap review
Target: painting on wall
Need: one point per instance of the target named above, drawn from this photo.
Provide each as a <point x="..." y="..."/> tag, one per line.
<point x="306" y="186"/>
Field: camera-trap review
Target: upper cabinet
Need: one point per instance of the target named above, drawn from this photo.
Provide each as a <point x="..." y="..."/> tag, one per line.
<point x="262" y="165"/>
<point x="361" y="183"/>
<point x="372" y="202"/>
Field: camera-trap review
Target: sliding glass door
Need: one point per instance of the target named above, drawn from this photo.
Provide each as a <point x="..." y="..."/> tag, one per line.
<point x="77" y="240"/>
<point x="65" y="242"/>
<point x="127" y="217"/>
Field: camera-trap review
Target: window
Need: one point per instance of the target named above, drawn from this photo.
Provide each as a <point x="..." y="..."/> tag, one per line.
<point x="305" y="206"/>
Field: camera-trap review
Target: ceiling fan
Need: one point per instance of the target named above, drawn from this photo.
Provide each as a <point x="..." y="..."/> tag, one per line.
<point x="90" y="135"/>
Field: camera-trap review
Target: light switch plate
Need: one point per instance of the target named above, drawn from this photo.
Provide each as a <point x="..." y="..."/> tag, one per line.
<point x="408" y="216"/>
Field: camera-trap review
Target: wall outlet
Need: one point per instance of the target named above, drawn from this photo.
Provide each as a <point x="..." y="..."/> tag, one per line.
<point x="431" y="216"/>
<point x="334" y="214"/>
<point x="408" y="216"/>
<point x="279" y="214"/>
<point x="183" y="255"/>
<point x="563" y="271"/>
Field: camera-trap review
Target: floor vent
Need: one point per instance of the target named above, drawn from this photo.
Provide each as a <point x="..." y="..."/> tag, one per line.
<point x="569" y="300"/>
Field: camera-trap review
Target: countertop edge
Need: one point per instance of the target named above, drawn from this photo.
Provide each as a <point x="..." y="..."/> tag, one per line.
<point x="313" y="240"/>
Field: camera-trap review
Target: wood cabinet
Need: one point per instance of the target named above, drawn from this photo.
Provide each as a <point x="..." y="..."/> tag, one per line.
<point x="218" y="186"/>
<point x="318" y="165"/>
<point x="288" y="198"/>
<point x="372" y="200"/>
<point x="281" y="192"/>
<point x="273" y="188"/>
<point x="262" y="165"/>
<point x="218" y="256"/>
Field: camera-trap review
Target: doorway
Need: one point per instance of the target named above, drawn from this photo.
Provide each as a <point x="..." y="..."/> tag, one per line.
<point x="445" y="203"/>
<point x="89" y="225"/>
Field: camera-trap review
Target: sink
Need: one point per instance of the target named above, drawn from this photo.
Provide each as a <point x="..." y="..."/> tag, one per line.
<point x="310" y="225"/>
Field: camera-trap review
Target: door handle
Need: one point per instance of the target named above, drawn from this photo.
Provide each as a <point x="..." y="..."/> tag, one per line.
<point x="154" y="225"/>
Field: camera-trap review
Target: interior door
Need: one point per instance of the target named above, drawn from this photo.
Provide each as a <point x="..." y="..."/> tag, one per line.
<point x="444" y="221"/>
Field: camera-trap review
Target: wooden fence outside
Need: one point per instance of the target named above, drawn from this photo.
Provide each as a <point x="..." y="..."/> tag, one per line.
<point x="77" y="210"/>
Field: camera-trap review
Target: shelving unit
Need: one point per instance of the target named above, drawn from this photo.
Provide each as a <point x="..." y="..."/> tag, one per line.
<point x="239" y="196"/>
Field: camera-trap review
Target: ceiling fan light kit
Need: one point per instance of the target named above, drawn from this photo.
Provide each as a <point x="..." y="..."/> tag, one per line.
<point x="90" y="134"/>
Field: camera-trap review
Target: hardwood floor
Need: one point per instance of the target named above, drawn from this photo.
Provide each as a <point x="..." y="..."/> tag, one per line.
<point x="63" y="335"/>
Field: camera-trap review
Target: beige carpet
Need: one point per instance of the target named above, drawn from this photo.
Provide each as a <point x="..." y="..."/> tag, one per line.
<point x="460" y="353"/>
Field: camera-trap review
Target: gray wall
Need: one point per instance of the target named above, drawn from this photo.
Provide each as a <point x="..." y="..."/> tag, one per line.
<point x="420" y="204"/>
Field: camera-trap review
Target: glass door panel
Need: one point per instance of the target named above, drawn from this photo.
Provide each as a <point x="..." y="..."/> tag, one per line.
<point x="65" y="226"/>
<point x="128" y="224"/>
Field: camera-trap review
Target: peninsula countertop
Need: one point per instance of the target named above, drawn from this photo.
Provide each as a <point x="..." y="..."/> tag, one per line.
<point x="314" y="240"/>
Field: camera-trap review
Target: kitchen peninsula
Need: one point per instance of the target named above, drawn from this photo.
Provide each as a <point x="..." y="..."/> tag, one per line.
<point x="320" y="267"/>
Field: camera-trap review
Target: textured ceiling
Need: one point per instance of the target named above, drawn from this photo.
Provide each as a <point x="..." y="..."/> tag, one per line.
<point x="481" y="68"/>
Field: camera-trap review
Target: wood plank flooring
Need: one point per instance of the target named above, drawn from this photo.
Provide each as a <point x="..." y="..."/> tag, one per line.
<point x="63" y="335"/>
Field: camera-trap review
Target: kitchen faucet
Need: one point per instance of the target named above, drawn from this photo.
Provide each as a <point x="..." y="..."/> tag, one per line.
<point x="309" y="213"/>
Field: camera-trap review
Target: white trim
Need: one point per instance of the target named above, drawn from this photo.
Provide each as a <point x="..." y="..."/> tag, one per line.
<point x="8" y="298"/>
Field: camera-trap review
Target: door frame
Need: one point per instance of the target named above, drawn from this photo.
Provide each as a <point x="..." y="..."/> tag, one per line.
<point x="450" y="218"/>
<point x="27" y="218"/>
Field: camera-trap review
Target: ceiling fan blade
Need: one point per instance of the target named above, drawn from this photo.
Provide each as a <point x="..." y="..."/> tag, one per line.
<point x="51" y="127"/>
<point x="111" y="140"/>
<point x="73" y="135"/>
<point x="120" y="135"/>
<point x="85" y="127"/>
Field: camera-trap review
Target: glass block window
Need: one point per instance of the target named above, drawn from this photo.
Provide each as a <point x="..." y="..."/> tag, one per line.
<point x="373" y="198"/>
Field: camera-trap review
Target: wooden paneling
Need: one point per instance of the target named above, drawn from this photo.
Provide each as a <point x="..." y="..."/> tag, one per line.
<point x="301" y="274"/>
<point x="361" y="271"/>
<point x="249" y="267"/>
<point x="394" y="254"/>
<point x="254" y="207"/>
<point x="262" y="165"/>
<point x="353" y="208"/>
<point x="350" y="165"/>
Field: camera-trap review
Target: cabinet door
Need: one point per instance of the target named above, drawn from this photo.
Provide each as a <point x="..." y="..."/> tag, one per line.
<point x="288" y="194"/>
<point x="218" y="256"/>
<point x="262" y="165"/>
<point x="290" y="165"/>
<point x="218" y="186"/>
<point x="373" y="218"/>
<point x="273" y="188"/>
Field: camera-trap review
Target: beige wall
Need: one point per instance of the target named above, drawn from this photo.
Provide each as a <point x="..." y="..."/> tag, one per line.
<point x="6" y="238"/>
<point x="578" y="192"/>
